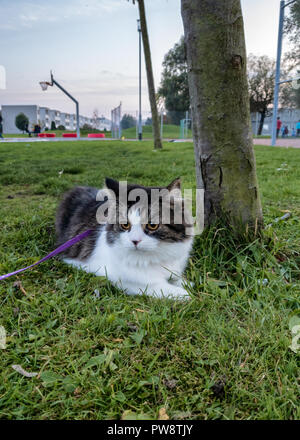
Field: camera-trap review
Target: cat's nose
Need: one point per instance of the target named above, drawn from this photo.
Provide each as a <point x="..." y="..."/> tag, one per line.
<point x="136" y="242"/>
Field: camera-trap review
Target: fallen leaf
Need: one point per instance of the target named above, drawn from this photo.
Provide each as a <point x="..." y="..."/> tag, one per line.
<point x="20" y="370"/>
<point x="218" y="388"/>
<point x="140" y="310"/>
<point x="132" y="326"/>
<point x="118" y="339"/>
<point x="97" y="293"/>
<point x="170" y="384"/>
<point x="18" y="285"/>
<point x="245" y="361"/>
<point x="77" y="391"/>
<point x="162" y="414"/>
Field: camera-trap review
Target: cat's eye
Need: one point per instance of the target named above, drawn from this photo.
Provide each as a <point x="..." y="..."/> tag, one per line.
<point x="125" y="226"/>
<point x="152" y="226"/>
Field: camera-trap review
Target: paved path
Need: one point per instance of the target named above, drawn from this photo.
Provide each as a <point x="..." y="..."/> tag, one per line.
<point x="294" y="143"/>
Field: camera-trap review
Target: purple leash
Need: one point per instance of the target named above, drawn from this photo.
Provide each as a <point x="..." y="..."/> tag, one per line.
<point x="60" y="249"/>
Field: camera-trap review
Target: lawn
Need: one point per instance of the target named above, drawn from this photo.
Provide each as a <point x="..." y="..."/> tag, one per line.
<point x="169" y="132"/>
<point x="223" y="355"/>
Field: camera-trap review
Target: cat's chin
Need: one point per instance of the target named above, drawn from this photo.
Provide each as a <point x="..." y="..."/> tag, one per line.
<point x="143" y="249"/>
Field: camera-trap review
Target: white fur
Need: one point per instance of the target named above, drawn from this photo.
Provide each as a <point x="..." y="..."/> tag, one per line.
<point x="145" y="268"/>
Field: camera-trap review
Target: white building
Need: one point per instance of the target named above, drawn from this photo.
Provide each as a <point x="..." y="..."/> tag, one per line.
<point x="85" y="120"/>
<point x="39" y="115"/>
<point x="103" y="124"/>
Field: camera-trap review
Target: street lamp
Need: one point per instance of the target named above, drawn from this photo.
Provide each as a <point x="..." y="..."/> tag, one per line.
<point x="140" y="129"/>
<point x="44" y="85"/>
<point x="283" y="5"/>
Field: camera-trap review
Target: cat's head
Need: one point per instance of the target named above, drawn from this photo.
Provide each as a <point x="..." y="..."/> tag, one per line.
<point x="148" y="218"/>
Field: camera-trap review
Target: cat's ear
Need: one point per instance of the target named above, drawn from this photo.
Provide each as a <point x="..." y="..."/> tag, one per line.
<point x="175" y="185"/>
<point x="112" y="185"/>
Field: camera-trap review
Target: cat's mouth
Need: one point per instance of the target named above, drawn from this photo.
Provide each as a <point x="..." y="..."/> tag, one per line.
<point x="141" y="249"/>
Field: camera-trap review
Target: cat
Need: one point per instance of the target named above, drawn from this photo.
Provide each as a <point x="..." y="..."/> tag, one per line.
<point x="137" y="256"/>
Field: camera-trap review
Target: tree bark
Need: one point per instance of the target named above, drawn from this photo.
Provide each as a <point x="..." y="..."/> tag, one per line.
<point x="150" y="78"/>
<point x="225" y="163"/>
<point x="261" y="122"/>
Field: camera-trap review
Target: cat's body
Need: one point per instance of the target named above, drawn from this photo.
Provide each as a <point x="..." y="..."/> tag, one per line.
<point x="135" y="257"/>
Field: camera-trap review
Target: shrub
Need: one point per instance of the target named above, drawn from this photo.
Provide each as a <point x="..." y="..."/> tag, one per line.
<point x="128" y="121"/>
<point x="21" y="122"/>
<point x="87" y="127"/>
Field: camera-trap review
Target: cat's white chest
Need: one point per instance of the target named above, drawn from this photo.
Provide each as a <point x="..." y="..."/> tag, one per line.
<point x="121" y="264"/>
<point x="137" y="271"/>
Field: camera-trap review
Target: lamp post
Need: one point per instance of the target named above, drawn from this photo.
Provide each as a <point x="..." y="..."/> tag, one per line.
<point x="45" y="84"/>
<point x="283" y="5"/>
<point x="162" y="115"/>
<point x="140" y="129"/>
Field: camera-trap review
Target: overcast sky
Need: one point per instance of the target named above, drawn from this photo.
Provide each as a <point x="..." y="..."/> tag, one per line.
<point x="92" y="48"/>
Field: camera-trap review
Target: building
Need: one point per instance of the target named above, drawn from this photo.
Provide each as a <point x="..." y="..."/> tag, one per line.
<point x="102" y="124"/>
<point x="86" y="121"/>
<point x="39" y="115"/>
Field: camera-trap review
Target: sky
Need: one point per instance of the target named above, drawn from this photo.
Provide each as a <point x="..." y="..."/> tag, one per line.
<point x="92" y="48"/>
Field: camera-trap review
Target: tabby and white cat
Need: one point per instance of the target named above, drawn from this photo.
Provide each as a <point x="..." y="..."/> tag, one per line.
<point x="136" y="256"/>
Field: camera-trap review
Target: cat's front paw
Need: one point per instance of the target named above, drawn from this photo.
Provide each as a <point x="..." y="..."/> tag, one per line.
<point x="171" y="291"/>
<point x="181" y="282"/>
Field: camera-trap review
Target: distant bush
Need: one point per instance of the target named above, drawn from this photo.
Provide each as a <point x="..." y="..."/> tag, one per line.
<point x="53" y="126"/>
<point x="87" y="127"/>
<point x="128" y="121"/>
<point x="61" y="127"/>
<point x="22" y="122"/>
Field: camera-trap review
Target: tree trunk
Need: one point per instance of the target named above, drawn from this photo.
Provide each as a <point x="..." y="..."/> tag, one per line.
<point x="261" y="122"/>
<point x="150" y="79"/>
<point x="225" y="163"/>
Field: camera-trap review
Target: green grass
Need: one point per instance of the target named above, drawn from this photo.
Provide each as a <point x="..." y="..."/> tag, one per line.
<point x="169" y="132"/>
<point x="100" y="357"/>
